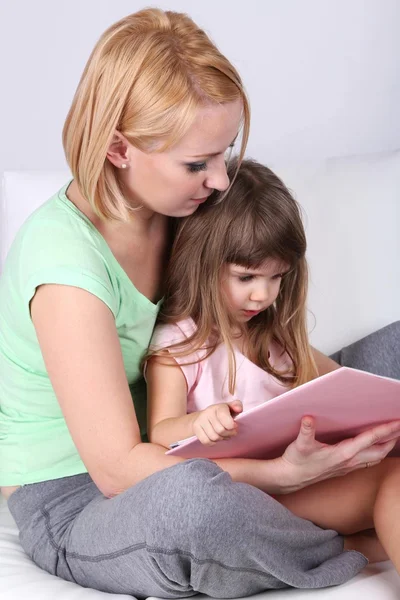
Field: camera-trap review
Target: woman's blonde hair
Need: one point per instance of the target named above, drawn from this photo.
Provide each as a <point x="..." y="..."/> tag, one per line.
<point x="257" y="220"/>
<point x="147" y="76"/>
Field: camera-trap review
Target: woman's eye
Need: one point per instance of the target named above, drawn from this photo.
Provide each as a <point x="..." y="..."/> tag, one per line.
<point x="228" y="154"/>
<point x="196" y="167"/>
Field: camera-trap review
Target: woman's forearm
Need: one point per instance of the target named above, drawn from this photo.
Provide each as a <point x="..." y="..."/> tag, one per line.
<point x="145" y="459"/>
<point x="270" y="476"/>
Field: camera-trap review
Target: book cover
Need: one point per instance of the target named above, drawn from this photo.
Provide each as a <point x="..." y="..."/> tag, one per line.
<point x="344" y="403"/>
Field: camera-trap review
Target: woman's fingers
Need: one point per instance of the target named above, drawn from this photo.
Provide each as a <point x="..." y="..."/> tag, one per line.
<point x="311" y="461"/>
<point x="373" y="454"/>
<point x="377" y="437"/>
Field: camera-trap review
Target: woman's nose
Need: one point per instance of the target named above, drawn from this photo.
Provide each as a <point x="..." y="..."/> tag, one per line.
<point x="218" y="177"/>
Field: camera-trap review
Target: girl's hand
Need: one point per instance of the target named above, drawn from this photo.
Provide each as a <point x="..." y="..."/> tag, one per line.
<point x="307" y="461"/>
<point x="216" y="423"/>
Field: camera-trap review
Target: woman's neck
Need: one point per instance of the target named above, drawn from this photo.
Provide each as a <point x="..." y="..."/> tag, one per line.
<point x="141" y="225"/>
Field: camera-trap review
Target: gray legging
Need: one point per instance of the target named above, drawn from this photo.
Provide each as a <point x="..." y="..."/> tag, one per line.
<point x="187" y="529"/>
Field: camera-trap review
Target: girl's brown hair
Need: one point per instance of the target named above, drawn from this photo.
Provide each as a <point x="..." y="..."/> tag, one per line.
<point x="257" y="220"/>
<point x="147" y="76"/>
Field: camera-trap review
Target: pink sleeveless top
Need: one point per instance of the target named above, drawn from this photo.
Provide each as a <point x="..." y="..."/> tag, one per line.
<point x="207" y="381"/>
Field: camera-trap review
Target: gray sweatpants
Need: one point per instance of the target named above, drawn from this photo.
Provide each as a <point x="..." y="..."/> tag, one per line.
<point x="184" y="530"/>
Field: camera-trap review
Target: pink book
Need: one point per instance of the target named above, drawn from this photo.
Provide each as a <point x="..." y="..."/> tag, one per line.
<point x="344" y="402"/>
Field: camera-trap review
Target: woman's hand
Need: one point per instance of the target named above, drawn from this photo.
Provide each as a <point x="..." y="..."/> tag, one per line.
<point x="307" y="461"/>
<point x="216" y="422"/>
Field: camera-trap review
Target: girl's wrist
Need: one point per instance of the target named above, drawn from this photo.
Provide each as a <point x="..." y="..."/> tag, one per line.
<point x="192" y="419"/>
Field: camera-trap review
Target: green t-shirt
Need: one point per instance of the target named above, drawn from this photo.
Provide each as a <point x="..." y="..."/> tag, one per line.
<point x="58" y="245"/>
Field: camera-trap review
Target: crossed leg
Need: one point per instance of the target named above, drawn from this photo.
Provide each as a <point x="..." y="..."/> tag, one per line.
<point x="362" y="500"/>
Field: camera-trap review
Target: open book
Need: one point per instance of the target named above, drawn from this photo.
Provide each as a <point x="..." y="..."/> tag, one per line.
<point x="344" y="402"/>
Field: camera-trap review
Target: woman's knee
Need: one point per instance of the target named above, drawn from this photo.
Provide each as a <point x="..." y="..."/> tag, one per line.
<point x="192" y="496"/>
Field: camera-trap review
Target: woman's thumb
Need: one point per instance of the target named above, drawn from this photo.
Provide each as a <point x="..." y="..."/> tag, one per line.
<point x="307" y="427"/>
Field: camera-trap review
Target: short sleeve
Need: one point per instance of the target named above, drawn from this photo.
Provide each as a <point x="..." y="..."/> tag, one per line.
<point x="55" y="256"/>
<point x="168" y="335"/>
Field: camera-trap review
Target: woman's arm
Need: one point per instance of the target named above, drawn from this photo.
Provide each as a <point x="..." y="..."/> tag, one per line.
<point x="82" y="354"/>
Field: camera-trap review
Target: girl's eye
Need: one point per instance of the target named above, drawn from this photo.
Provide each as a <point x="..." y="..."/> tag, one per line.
<point x="245" y="278"/>
<point x="196" y="167"/>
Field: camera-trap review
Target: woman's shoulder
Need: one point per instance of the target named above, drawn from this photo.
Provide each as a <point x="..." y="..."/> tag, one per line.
<point x="56" y="235"/>
<point x="57" y="218"/>
<point x="56" y="245"/>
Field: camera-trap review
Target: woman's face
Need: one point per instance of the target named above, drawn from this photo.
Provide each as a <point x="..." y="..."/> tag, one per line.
<point x="177" y="181"/>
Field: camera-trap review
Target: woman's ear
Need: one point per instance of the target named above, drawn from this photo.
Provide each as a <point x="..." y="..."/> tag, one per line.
<point x="117" y="152"/>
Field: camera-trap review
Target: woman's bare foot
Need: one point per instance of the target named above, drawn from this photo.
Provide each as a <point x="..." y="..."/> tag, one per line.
<point x="368" y="544"/>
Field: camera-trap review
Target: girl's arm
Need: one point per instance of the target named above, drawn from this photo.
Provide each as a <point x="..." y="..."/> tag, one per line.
<point x="324" y="363"/>
<point x="167" y="419"/>
<point x="168" y="422"/>
<point x="82" y="353"/>
<point x="167" y="416"/>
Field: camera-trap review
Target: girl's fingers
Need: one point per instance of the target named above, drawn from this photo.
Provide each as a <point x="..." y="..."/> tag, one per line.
<point x="223" y="421"/>
<point x="204" y="438"/>
<point x="235" y="406"/>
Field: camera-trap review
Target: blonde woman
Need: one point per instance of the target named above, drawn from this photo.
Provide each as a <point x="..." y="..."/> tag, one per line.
<point x="146" y="138"/>
<point x="232" y="334"/>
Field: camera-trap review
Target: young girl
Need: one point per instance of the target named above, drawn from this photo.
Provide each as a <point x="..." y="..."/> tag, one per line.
<point x="233" y="334"/>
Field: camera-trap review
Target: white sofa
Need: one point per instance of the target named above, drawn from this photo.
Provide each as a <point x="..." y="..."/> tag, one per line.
<point x="352" y="210"/>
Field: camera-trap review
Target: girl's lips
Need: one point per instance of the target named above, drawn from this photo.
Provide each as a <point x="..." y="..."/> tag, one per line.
<point x="251" y="312"/>
<point x="200" y="200"/>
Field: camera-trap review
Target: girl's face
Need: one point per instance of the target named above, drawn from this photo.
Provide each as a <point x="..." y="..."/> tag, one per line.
<point x="248" y="292"/>
<point x="177" y="181"/>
